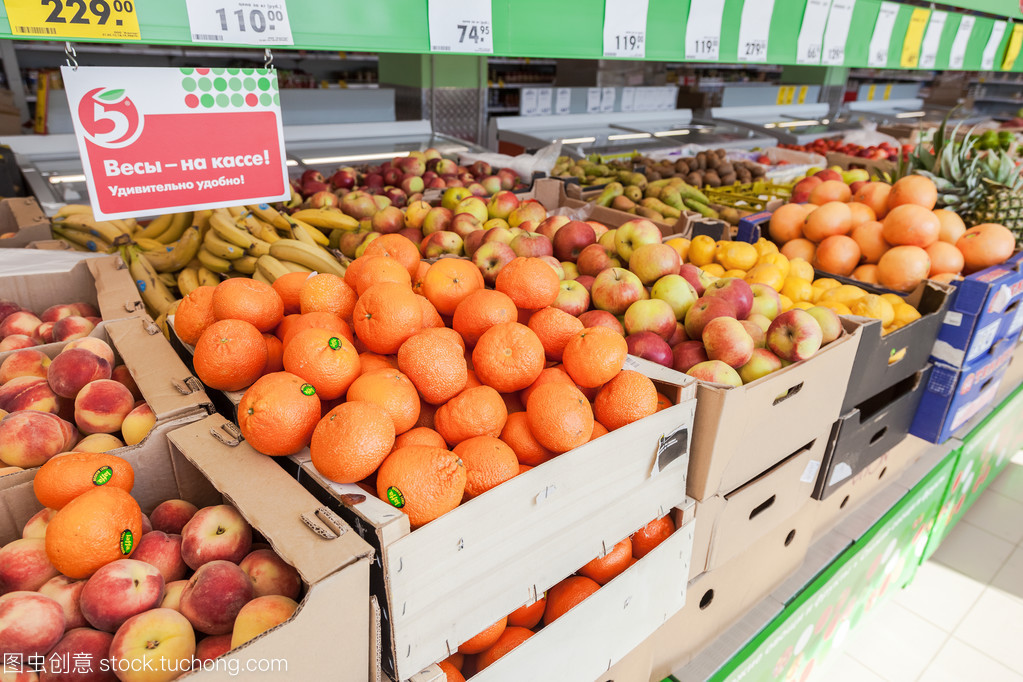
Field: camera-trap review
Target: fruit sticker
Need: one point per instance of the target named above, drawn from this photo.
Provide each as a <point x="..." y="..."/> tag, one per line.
<point x="102" y="475"/>
<point x="395" y="497"/>
<point x="127" y="542"/>
<point x="308" y="389"/>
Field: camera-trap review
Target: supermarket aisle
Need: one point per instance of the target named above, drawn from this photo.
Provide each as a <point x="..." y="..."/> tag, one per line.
<point x="962" y="617"/>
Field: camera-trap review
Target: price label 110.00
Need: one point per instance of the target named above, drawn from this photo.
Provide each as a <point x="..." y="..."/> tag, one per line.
<point x="248" y="22"/>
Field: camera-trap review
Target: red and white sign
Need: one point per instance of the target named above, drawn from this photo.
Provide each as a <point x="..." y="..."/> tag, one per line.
<point x="157" y="140"/>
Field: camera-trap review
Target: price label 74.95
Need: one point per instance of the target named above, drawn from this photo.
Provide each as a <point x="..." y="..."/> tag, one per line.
<point x="249" y="22"/>
<point x="110" y="19"/>
<point x="460" y="26"/>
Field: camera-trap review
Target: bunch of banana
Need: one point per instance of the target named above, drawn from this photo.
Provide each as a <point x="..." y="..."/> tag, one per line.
<point x="661" y="200"/>
<point x="76" y="225"/>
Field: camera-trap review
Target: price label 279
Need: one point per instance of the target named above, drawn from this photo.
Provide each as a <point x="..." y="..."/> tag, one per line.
<point x="112" y="19"/>
<point x="755" y="49"/>
<point x="249" y="22"/>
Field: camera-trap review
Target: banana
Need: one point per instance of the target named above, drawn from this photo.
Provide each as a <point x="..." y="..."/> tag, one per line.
<point x="258" y="248"/>
<point x="150" y="244"/>
<point x="188" y="281"/>
<point x="260" y="277"/>
<point x="172" y="259"/>
<point x="220" y="248"/>
<point x="313" y="257"/>
<point x="265" y="231"/>
<point x="201" y="218"/>
<point x="269" y="214"/>
<point x="161" y="322"/>
<point x="153" y="291"/>
<point x="101" y="228"/>
<point x="126" y="225"/>
<point x="230" y="232"/>
<point x="270" y="268"/>
<point x="90" y="242"/>
<point x="236" y="211"/>
<point x="71" y="209"/>
<point x="207" y="278"/>
<point x="212" y="263"/>
<point x="180" y="223"/>
<point x="245" y="265"/>
<point x="295" y="267"/>
<point x="168" y="279"/>
<point x="156" y="227"/>
<point x="304" y="232"/>
<point x="326" y="218"/>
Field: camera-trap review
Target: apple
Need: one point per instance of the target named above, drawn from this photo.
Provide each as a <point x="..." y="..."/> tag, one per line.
<point x="794" y="335"/>
<point x="633" y="234"/>
<point x="735" y="291"/>
<point x="601" y="318"/>
<point x="594" y="259"/>
<point x="653" y="315"/>
<point x="528" y="211"/>
<point x="703" y="311"/>
<point x="573" y="298"/>
<point x="586" y="281"/>
<point x="651" y="262"/>
<point x="550" y="226"/>
<point x="498" y="234"/>
<point x="687" y="354"/>
<point x="830" y="323"/>
<point x="388" y="221"/>
<point x="761" y="363"/>
<point x="215" y="533"/>
<point x="650" y="346"/>
<point x="555" y="265"/>
<point x="214" y="595"/>
<point x="120" y="590"/>
<point x="699" y="279"/>
<point x="855" y="175"/>
<point x="24" y="565"/>
<point x="345" y="177"/>
<point x="607" y="240"/>
<point x="490" y="258"/>
<point x="570" y="270"/>
<point x="157" y="644"/>
<point x="571" y="239"/>
<point x="509" y="178"/>
<point x="828" y="174"/>
<point x="715" y="372"/>
<point x="766" y="301"/>
<point x="30" y="623"/>
<point x="475" y="207"/>
<point x="677" y="292"/>
<point x="756" y="332"/>
<point x="67" y="592"/>
<point x="162" y="551"/>
<point x="440" y="243"/>
<point x="728" y="341"/>
<point x="532" y="245"/>
<point x="415" y="214"/>
<point x="453" y="195"/>
<point x="170" y="516"/>
<point x="598" y="228"/>
<point x="615" y="289"/>
<point x="81" y="649"/>
<point x="270" y="574"/>
<point x="259" y="615"/>
<point x="463" y="224"/>
<point x="759" y="320"/>
<point x="679" y="335"/>
<point x="801" y="190"/>
<point x="437" y="219"/>
<point x="359" y="205"/>
<point x="502" y="204"/>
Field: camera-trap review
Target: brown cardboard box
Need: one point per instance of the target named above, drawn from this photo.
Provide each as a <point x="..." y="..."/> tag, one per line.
<point x="741" y="432"/>
<point x="21" y="216"/>
<point x="49" y="245"/>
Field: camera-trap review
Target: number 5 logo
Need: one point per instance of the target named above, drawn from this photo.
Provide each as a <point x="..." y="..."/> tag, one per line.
<point x="109" y="118"/>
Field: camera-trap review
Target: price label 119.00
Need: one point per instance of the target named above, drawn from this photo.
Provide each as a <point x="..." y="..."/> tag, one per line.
<point x="248" y="22"/>
<point x="461" y="26"/>
<point x="625" y="28"/>
<point x="703" y="30"/>
<point x="107" y="19"/>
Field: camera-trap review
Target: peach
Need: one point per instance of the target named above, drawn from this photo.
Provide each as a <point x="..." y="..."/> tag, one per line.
<point x="24" y="363"/>
<point x="259" y="615"/>
<point x="16" y="342"/>
<point x="85" y="309"/>
<point x="22" y="322"/>
<point x="270" y="574"/>
<point x="27" y="393"/>
<point x="215" y="533"/>
<point x="6" y="471"/>
<point x="7" y="308"/>
<point x="57" y="312"/>
<point x="30" y="623"/>
<point x="162" y="551"/>
<point x="102" y="405"/>
<point x="67" y="592"/>
<point x="71" y="328"/>
<point x="24" y="565"/>
<point x="99" y="442"/>
<point x="172" y="595"/>
<point x="123" y="376"/>
<point x="212" y="647"/>
<point x="43" y="333"/>
<point x="137" y="425"/>
<point x="214" y="595"/>
<point x="170" y="516"/>
<point x="79" y="650"/>
<point x="35" y="527"/>
<point x="73" y="369"/>
<point x="152" y="647"/>
<point x="97" y="346"/>
<point x="120" y="590"/>
<point x="29" y="438"/>
<point x="147" y="525"/>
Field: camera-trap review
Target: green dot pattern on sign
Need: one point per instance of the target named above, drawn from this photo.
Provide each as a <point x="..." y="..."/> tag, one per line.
<point x="187" y="71"/>
<point x="233" y="71"/>
<point x="206" y="101"/>
<point x="277" y="100"/>
<point x="248" y="72"/>
<point x="227" y="88"/>
<point x="237" y="100"/>
<point x="205" y="85"/>
<point x="264" y="84"/>
<point x="188" y="84"/>
<point x="249" y="84"/>
<point x="220" y="84"/>
<point x="223" y="100"/>
<point x="235" y="84"/>
<point x="265" y="99"/>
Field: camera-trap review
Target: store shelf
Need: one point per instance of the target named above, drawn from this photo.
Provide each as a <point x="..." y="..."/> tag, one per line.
<point x="502" y="110"/>
<point x="999" y="100"/>
<point x="519" y="86"/>
<point x="523" y="61"/>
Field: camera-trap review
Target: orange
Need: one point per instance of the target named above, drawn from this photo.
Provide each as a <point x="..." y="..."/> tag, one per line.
<point x="327" y="293"/>
<point x="529" y="615"/>
<point x="870" y="238"/>
<point x="548" y="375"/>
<point x="351" y="441"/>
<point x="799" y="248"/>
<point x="372" y="361"/>
<point x="289" y="288"/>
<point x="952" y="226"/>
<point x="431" y="318"/>
<point x="555" y="328"/>
<point x="902" y="268"/>
<point x="449" y="281"/>
<point x="834" y="217"/>
<point x="378" y="269"/>
<point x="480" y="311"/>
<point x="598" y="431"/>
<point x="485" y="639"/>
<point x="436" y="366"/>
<point x="281" y="332"/>
<point x="230" y="355"/>
<point x="604" y="569"/>
<point x="508" y="357"/>
<point x="444" y="334"/>
<point x="787" y="223"/>
<point x="520" y="439"/>
<point x="510" y="638"/>
<point x="451" y="673"/>
<point x="474" y="412"/>
<point x="594" y="356"/>
<point x="830" y="190"/>
<point x="318" y="320"/>
<point x="398" y="247"/>
<point x="488" y="462"/>
<point x="945" y="258"/>
<point x="274" y="354"/>
<point x="99" y="526"/>
<point x="913" y="189"/>
<point x="566" y="595"/>
<point x="194" y="314"/>
<point x="523" y="468"/>
<point x="651" y="535"/>
<point x="628" y="397"/>
<point x="325" y="359"/>
<point x="985" y="245"/>
<point x="911" y="225"/>
<point x="455" y="660"/>
<point x="530" y="282"/>
<point x="417" y="277"/>
<point x="278" y="413"/>
<point x="63" y="478"/>
<point x="513" y="402"/>
<point x="559" y="417"/>
<point x="391" y="390"/>
<point x="421" y="481"/>
<point x="663" y="402"/>
<point x="386" y="315"/>
<point x="240" y="298"/>
<point x="420" y="435"/>
<point x="838" y="254"/>
<point x="472" y="381"/>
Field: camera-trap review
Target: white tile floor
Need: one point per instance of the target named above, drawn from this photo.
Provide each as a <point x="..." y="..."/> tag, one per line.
<point x="962" y="617"/>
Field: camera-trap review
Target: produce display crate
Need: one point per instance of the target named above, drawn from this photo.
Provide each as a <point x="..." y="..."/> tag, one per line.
<point x="187" y="462"/>
<point x="869" y="430"/>
<point x="224" y="402"/>
<point x="954" y="395"/>
<point x="876" y="167"/>
<point x="743" y="431"/>
<point x="24" y="218"/>
<point x="443" y="583"/>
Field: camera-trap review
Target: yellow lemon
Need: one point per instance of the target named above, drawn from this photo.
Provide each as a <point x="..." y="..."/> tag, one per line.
<point x="681" y="246"/>
<point x="786" y="302"/>
<point x="904" y="313"/>
<point x="713" y="269"/>
<point x="701" y="250"/>
<point x="797" y="288"/>
<point x="827" y="283"/>
<point x="735" y="273"/>
<point x="778" y="260"/>
<point x="721" y="247"/>
<point x="816" y="294"/>
<point x="874" y="306"/>
<point x="800" y="268"/>
<point x="802" y="305"/>
<point x="765" y="247"/>
<point x="894" y="299"/>
<point x="844" y="293"/>
<point x="771" y="275"/>
<point x="840" y="308"/>
<point x="739" y="256"/>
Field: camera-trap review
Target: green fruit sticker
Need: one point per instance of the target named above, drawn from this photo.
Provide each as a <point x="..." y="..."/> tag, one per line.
<point x="334" y="343"/>
<point x="127" y="542"/>
<point x="395" y="497"/>
<point x="102" y="475"/>
<point x="307" y="389"/>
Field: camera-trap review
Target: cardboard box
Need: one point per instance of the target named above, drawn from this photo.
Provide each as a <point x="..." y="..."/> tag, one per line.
<point x="24" y="220"/>
<point x="954" y="395"/>
<point x="743" y="431"/>
<point x="727" y="524"/>
<point x="49" y="245"/>
<point x="985" y="307"/>
<point x="333" y="617"/>
<point x="443" y="583"/>
<point x="869" y="430"/>
<point x="1013" y="376"/>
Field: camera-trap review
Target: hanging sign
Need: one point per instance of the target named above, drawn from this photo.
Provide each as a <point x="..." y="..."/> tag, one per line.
<point x="882" y="37"/>
<point x="754" y="28"/>
<point x="932" y="41"/>
<point x="625" y="28"/>
<point x="811" y="32"/>
<point x="914" y="38"/>
<point x="703" y="30"/>
<point x="460" y="26"/>
<point x="987" y="62"/>
<point x="957" y="55"/>
<point x="837" y="32"/>
<point x="64" y="19"/>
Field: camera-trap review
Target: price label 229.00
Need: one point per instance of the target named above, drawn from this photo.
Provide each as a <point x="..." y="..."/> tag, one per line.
<point x="249" y="22"/>
<point x="110" y="19"/>
<point x="460" y="26"/>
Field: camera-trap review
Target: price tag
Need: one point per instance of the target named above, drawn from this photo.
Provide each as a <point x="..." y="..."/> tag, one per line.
<point x="607" y="99"/>
<point x="529" y="105"/>
<point x="1012" y="51"/>
<point x="801" y="99"/>
<point x="786" y="94"/>
<point x="460" y="26"/>
<point x="932" y="40"/>
<point x="837" y="32"/>
<point x="811" y="33"/>
<point x="670" y="96"/>
<point x="882" y="37"/>
<point x="625" y="28"/>
<point x="987" y="63"/>
<point x="870" y="92"/>
<point x="628" y="99"/>
<point x="914" y="38"/>
<point x="754" y="28"/>
<point x="60" y="19"/>
<point x="543" y="100"/>
<point x="593" y="96"/>
<point x="703" y="30"/>
<point x="563" y="104"/>
<point x="957" y="55"/>
<point x="249" y="22"/>
<point x="888" y="92"/>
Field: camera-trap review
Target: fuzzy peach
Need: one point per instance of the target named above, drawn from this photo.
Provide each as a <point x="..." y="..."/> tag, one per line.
<point x="137" y="425"/>
<point x="35" y="527"/>
<point x="172" y="595"/>
<point x="73" y="369"/>
<point x="212" y="647"/>
<point x="162" y="551"/>
<point x="30" y="623"/>
<point x="120" y="590"/>
<point x="24" y="565"/>
<point x="28" y="393"/>
<point x="70" y="328"/>
<point x="27" y="362"/>
<point x="67" y="592"/>
<point x="43" y="333"/>
<point x="101" y="406"/>
<point x="79" y="649"/>
<point x="270" y="574"/>
<point x="259" y="615"/>
<point x="158" y="644"/>
<point x="217" y="532"/>
<point x="170" y="516"/>
<point x="99" y="442"/>
<point x="29" y="438"/>
<point x="16" y="342"/>
<point x="97" y="346"/>
<point x="214" y="595"/>
<point x="122" y="375"/>
<point x="57" y="312"/>
<point x="21" y="322"/>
